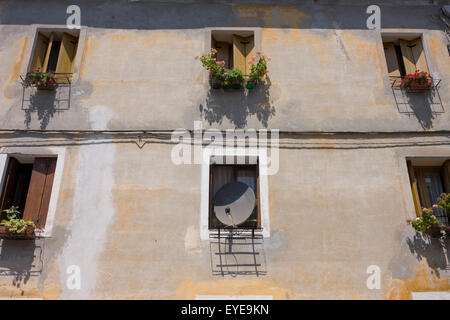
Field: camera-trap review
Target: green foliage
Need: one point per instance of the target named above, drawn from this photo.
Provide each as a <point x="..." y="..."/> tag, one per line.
<point x="12" y="213"/>
<point x="215" y="68"/>
<point x="443" y="203"/>
<point x="258" y="70"/>
<point x="38" y="78"/>
<point x="233" y="76"/>
<point x="14" y="223"/>
<point x="427" y="220"/>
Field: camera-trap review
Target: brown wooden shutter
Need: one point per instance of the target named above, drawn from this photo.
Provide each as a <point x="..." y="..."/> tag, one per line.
<point x="10" y="185"/>
<point x="413" y="55"/>
<point x="243" y="50"/>
<point x="415" y="192"/>
<point x="40" y="51"/>
<point x="38" y="197"/>
<point x="67" y="53"/>
<point x="391" y="59"/>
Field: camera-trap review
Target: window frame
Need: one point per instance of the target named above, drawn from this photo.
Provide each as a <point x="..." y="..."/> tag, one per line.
<point x="418" y="186"/>
<point x="32" y="41"/>
<point x="59" y="153"/>
<point x="235" y="169"/>
<point x="208" y="40"/>
<point x="240" y="154"/>
<point x="418" y="33"/>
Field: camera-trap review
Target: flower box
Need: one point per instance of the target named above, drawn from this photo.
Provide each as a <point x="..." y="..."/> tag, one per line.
<point x="419" y="84"/>
<point x="50" y="85"/>
<point x="434" y="232"/>
<point x="27" y="234"/>
<point x="419" y="80"/>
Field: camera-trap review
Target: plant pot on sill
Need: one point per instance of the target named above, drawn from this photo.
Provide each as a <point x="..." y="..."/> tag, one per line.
<point x="50" y="85"/>
<point x="250" y="85"/>
<point x="27" y="234"/>
<point x="236" y="85"/>
<point x="216" y="83"/>
<point x="419" y="84"/>
<point x="434" y="232"/>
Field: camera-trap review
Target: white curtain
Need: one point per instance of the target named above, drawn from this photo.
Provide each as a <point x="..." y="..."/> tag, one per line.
<point x="434" y="188"/>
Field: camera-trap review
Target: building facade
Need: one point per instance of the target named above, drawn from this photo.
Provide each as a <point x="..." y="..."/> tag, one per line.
<point x="94" y="161"/>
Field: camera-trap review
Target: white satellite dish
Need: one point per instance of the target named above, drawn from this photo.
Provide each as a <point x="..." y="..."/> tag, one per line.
<point x="234" y="203"/>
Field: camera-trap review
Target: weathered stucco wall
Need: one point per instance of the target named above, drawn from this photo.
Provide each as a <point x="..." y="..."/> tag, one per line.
<point x="324" y="76"/>
<point x="130" y="219"/>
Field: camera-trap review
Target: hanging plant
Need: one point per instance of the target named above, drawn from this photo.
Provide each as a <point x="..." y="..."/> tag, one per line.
<point x="39" y="79"/>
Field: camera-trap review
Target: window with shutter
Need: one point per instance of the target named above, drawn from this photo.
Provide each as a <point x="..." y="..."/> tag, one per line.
<point x="404" y="56"/>
<point x="427" y="183"/>
<point x="236" y="48"/>
<point x="28" y="186"/>
<point x="54" y="51"/>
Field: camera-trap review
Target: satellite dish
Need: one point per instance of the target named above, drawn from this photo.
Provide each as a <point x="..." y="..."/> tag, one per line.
<point x="234" y="203"/>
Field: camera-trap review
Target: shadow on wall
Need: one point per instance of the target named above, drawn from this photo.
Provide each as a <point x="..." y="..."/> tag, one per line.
<point x="416" y="247"/>
<point x="238" y="105"/>
<point x="20" y="259"/>
<point x="45" y="103"/>
<point x="434" y="250"/>
<point x="425" y="106"/>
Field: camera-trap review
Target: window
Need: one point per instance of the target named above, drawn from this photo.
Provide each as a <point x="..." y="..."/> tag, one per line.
<point x="429" y="178"/>
<point x="221" y="175"/>
<point x="54" y="51"/>
<point x="235" y="48"/>
<point x="404" y="56"/>
<point x="27" y="185"/>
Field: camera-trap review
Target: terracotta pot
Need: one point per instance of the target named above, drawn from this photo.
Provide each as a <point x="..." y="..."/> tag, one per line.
<point x="434" y="232"/>
<point x="50" y="85"/>
<point x="419" y="84"/>
<point x="236" y="85"/>
<point x="216" y="83"/>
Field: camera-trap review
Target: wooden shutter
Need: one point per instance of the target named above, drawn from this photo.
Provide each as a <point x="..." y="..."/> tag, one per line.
<point x="40" y="51"/>
<point x="391" y="59"/>
<point x="413" y="55"/>
<point x="223" y="52"/>
<point x="243" y="50"/>
<point x="10" y="185"/>
<point x="414" y="190"/>
<point x="38" y="197"/>
<point x="47" y="54"/>
<point x="446" y="176"/>
<point x="67" y="53"/>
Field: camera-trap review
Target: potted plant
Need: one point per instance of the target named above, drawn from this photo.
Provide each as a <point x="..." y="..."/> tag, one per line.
<point x="42" y="80"/>
<point x="427" y="223"/>
<point x="215" y="68"/>
<point x="443" y="203"/>
<point x="14" y="225"/>
<point x="420" y="80"/>
<point x="258" y="70"/>
<point x="233" y="78"/>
